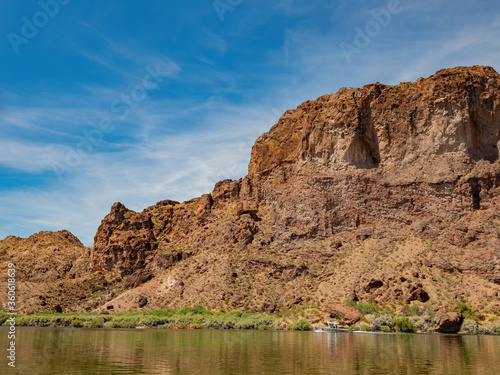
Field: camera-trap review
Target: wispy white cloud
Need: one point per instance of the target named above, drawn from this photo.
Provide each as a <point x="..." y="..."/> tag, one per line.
<point x="177" y="166"/>
<point x="29" y="156"/>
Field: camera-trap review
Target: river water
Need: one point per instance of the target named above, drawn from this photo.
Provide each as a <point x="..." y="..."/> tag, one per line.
<point x="213" y="352"/>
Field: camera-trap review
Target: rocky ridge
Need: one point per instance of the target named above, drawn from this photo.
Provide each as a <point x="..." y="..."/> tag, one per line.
<point x="380" y="193"/>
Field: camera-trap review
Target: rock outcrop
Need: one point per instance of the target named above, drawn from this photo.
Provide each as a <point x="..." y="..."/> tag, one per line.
<point x="382" y="193"/>
<point x="346" y="313"/>
<point x="45" y="256"/>
<point x="448" y="322"/>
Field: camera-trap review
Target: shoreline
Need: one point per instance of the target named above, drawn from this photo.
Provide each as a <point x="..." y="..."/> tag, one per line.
<point x="191" y="318"/>
<point x="241" y="330"/>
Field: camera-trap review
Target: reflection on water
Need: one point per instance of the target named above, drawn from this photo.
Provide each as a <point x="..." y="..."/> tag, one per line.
<point x="63" y="351"/>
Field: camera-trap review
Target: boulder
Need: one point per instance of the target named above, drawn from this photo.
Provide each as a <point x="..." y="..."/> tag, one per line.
<point x="247" y="207"/>
<point x="348" y="314"/>
<point x="352" y="296"/>
<point x="373" y="284"/>
<point x="426" y="263"/>
<point x="142" y="301"/>
<point x="448" y="322"/>
<point x="442" y="264"/>
<point x="137" y="278"/>
<point x="419" y="295"/>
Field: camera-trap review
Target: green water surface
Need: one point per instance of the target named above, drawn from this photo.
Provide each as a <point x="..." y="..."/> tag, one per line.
<point x="211" y="352"/>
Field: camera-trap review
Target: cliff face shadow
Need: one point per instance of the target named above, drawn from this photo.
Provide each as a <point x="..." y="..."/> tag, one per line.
<point x="482" y="132"/>
<point x="364" y="152"/>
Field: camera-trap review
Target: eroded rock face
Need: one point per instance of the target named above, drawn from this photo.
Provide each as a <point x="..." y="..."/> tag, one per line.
<point x="122" y="241"/>
<point x="432" y="129"/>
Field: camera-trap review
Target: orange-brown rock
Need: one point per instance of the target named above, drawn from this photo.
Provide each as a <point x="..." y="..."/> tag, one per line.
<point x="448" y="322"/>
<point x="346" y="313"/>
<point x="45" y="256"/>
<point x="139" y="277"/>
<point x="395" y="184"/>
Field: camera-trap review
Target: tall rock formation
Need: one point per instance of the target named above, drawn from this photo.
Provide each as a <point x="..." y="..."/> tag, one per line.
<point x="384" y="193"/>
<point x="398" y="182"/>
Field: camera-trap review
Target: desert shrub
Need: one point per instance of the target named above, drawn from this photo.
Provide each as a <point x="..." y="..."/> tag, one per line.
<point x="96" y="323"/>
<point x="489" y="329"/>
<point x="422" y="323"/>
<point x="185" y="310"/>
<point x="200" y="309"/>
<point x="196" y="310"/>
<point x="163" y="313"/>
<point x="359" y="327"/>
<point x="430" y="311"/>
<point x="252" y="321"/>
<point x="302" y="325"/>
<point x="376" y="322"/>
<point x="3" y="317"/>
<point x="415" y="310"/>
<point x="350" y="303"/>
<point x="264" y="327"/>
<point x="467" y="312"/>
<point x="76" y="323"/>
<point x="354" y="327"/>
<point x="365" y="307"/>
<point x="110" y="324"/>
<point x="469" y="326"/>
<point x="404" y="324"/>
<point x="128" y="323"/>
<point x="22" y="321"/>
<point x="463" y="308"/>
<point x="46" y="312"/>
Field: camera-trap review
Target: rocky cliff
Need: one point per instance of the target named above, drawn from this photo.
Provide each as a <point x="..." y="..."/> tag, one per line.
<point x="380" y="193"/>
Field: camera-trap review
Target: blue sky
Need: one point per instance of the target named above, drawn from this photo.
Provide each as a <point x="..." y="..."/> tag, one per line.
<point x="143" y="101"/>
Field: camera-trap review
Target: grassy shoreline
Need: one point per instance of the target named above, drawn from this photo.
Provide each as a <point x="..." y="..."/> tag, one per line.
<point x="189" y="317"/>
<point x="198" y="317"/>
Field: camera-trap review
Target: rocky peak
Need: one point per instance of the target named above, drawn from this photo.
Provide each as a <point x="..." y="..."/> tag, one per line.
<point x="117" y="213"/>
<point x="44" y="256"/>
